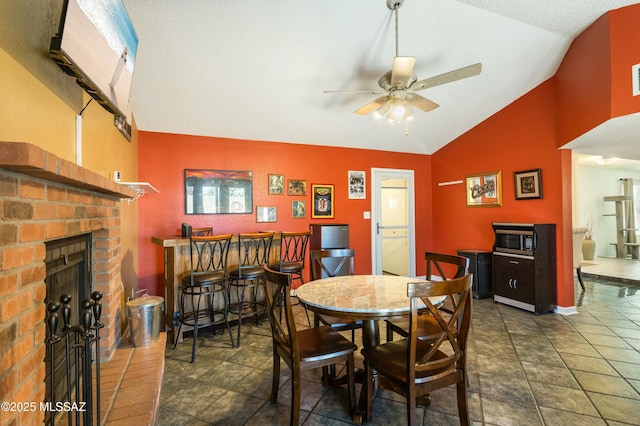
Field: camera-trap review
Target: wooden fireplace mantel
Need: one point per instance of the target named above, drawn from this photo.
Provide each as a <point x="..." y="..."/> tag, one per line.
<point x="28" y="159"/>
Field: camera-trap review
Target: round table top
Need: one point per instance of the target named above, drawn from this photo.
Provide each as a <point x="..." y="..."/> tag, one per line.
<point x="366" y="295"/>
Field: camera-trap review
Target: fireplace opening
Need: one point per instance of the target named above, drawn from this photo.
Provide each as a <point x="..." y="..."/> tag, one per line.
<point x="68" y="272"/>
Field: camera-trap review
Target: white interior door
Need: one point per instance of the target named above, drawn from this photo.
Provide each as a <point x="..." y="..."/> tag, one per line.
<point x="393" y="222"/>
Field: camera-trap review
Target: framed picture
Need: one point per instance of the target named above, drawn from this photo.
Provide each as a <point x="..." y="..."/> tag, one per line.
<point x="296" y="187"/>
<point x="528" y="184"/>
<point x="265" y="214"/>
<point x="218" y="191"/>
<point x="484" y="189"/>
<point x="298" y="209"/>
<point x="322" y="201"/>
<point x="357" y="188"/>
<point x="276" y="184"/>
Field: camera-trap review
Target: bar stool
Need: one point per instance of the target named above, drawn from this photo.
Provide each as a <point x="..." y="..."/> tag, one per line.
<point x="293" y="252"/>
<point x="247" y="276"/>
<point x="206" y="280"/>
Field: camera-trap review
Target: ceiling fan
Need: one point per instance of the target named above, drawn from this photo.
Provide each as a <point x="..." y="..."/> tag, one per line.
<point x="401" y="84"/>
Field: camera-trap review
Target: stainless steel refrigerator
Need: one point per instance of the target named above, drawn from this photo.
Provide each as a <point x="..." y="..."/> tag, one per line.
<point x="330" y="236"/>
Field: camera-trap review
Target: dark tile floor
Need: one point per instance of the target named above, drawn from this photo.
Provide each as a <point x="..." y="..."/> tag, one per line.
<point x="524" y="369"/>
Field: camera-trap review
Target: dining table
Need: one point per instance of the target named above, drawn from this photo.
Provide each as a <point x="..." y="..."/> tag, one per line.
<point x="369" y="298"/>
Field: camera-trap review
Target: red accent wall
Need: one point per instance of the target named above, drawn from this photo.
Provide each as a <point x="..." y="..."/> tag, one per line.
<point x="594" y="78"/>
<point x="625" y="52"/>
<point x="584" y="83"/>
<point x="520" y="137"/>
<point x="163" y="158"/>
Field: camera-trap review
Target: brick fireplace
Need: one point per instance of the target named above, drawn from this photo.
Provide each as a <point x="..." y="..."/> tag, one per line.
<point x="45" y="198"/>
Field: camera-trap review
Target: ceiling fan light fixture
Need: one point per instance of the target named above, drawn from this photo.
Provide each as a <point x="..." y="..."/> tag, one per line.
<point x="605" y="160"/>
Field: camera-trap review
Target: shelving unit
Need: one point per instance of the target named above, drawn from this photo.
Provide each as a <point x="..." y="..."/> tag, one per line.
<point x="621" y="228"/>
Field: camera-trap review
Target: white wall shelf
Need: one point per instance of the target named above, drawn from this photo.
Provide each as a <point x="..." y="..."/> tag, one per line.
<point x="141" y="188"/>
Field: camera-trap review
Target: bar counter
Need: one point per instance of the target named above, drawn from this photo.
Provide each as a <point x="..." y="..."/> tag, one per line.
<point x="177" y="264"/>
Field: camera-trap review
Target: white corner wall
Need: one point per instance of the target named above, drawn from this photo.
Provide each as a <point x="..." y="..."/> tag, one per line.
<point x="594" y="183"/>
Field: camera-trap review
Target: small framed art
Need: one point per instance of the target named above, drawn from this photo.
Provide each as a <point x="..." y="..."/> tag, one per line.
<point x="357" y="189"/>
<point x="484" y="189"/>
<point x="276" y="184"/>
<point x="298" y="209"/>
<point x="528" y="184"/>
<point x="265" y="214"/>
<point x="322" y="201"/>
<point x="296" y="187"/>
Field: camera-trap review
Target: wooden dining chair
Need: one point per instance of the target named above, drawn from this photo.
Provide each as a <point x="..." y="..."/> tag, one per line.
<point x="332" y="263"/>
<point x="415" y="367"/>
<point x="305" y="349"/>
<point x="445" y="267"/>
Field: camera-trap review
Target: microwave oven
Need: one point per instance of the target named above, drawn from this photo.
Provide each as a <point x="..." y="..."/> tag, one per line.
<point x="513" y="240"/>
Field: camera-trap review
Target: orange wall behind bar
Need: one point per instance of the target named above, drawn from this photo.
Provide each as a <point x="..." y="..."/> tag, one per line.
<point x="165" y="156"/>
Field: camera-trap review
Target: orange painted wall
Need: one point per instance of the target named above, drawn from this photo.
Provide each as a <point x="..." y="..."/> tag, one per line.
<point x="594" y="78"/>
<point x="164" y="157"/>
<point x="584" y="83"/>
<point x="625" y="52"/>
<point x="520" y="137"/>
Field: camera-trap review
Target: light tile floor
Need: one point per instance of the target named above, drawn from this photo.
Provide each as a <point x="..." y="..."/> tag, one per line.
<point x="523" y="369"/>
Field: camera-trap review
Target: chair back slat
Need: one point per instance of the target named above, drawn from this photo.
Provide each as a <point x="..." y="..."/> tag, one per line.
<point x="452" y="338"/>
<point x="340" y="257"/>
<point x="278" y="301"/>
<point x="209" y="254"/>
<point x="441" y="262"/>
<point x="293" y="247"/>
<point x="254" y="249"/>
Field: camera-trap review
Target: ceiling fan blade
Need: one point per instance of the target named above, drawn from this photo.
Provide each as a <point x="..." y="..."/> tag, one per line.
<point x="372" y="92"/>
<point x="448" y="77"/>
<point x="420" y="102"/>
<point x="371" y="106"/>
<point x="401" y="71"/>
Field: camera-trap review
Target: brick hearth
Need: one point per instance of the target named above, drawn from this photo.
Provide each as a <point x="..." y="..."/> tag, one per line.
<point x="44" y="198"/>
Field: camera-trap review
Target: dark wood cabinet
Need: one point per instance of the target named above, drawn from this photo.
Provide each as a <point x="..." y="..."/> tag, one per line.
<point x="480" y="266"/>
<point x="527" y="281"/>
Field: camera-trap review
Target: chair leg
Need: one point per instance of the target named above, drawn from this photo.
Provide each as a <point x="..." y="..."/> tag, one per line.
<point x="351" y="382"/>
<point x="463" y="410"/>
<point x="295" y="395"/>
<point x="579" y="274"/>
<point x="196" y="315"/>
<point x="411" y="407"/>
<point x="177" y="334"/>
<point x="226" y="316"/>
<point x="275" y="382"/>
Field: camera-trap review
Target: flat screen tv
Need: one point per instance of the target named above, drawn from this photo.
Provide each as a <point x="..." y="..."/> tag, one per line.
<point x="97" y="44"/>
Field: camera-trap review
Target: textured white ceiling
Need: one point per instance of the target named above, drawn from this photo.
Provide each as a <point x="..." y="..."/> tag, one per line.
<point x="255" y="69"/>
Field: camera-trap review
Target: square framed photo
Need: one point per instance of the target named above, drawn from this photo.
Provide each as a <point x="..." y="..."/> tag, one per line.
<point x="265" y="214"/>
<point x="322" y="201"/>
<point x="296" y="187"/>
<point x="276" y="184"/>
<point x="528" y="184"/>
<point x="298" y="209"/>
<point x="484" y="189"/>
<point x="357" y="188"/>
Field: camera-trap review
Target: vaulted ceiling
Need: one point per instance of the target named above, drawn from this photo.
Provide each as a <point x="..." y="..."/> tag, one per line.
<point x="255" y="69"/>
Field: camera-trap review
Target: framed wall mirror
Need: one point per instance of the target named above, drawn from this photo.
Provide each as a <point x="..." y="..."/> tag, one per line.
<point x="218" y="191"/>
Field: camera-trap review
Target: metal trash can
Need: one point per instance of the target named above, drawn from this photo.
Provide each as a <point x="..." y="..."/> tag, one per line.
<point x="145" y="319"/>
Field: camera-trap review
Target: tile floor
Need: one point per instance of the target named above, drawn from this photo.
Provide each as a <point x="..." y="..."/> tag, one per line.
<point x="524" y="369"/>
